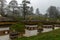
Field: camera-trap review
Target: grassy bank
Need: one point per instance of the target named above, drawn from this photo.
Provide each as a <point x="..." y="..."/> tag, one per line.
<point x="53" y="35"/>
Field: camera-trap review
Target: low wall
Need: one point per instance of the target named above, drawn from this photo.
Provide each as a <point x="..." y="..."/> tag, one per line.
<point x="29" y="33"/>
<point x="4" y="32"/>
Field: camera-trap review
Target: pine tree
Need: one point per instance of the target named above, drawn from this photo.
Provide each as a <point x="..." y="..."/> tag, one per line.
<point x="13" y="6"/>
<point x="2" y="6"/>
<point x="25" y="7"/>
<point x="13" y="3"/>
<point x="53" y="12"/>
<point x="37" y="11"/>
<point x="31" y="10"/>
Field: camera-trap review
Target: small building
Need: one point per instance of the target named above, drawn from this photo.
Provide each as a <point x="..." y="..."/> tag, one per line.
<point x="4" y="25"/>
<point x="4" y="31"/>
<point x="31" y="30"/>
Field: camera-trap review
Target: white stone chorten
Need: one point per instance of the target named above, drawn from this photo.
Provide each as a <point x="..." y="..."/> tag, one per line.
<point x="31" y="30"/>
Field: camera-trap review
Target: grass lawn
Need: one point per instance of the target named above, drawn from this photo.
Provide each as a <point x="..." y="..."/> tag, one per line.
<point x="53" y="35"/>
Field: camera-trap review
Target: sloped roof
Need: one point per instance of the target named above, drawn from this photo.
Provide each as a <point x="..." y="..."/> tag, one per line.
<point x="5" y="19"/>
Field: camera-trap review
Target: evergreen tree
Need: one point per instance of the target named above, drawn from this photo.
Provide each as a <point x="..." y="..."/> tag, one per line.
<point x="13" y="7"/>
<point x="31" y="10"/>
<point x="46" y="15"/>
<point x="2" y="7"/>
<point x="25" y="7"/>
<point x="53" y="12"/>
<point x="13" y="3"/>
<point x="37" y="11"/>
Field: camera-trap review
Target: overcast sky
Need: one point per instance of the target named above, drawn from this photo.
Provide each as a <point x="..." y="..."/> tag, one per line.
<point x="42" y="4"/>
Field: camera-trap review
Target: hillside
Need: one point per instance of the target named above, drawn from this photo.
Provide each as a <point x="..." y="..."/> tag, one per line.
<point x="53" y="35"/>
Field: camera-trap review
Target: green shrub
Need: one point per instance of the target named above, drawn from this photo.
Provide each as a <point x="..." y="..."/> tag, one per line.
<point x="19" y="27"/>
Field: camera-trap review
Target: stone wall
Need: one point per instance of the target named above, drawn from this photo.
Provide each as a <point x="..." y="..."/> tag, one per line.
<point x="4" y="32"/>
<point x="29" y="33"/>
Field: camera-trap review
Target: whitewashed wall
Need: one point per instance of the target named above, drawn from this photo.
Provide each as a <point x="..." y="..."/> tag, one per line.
<point x="47" y="29"/>
<point x="5" y="28"/>
<point x="29" y="33"/>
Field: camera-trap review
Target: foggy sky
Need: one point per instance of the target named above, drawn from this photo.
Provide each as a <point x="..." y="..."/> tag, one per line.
<point x="42" y="4"/>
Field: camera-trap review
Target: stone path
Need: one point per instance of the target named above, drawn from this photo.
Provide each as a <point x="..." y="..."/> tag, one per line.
<point x="5" y="37"/>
